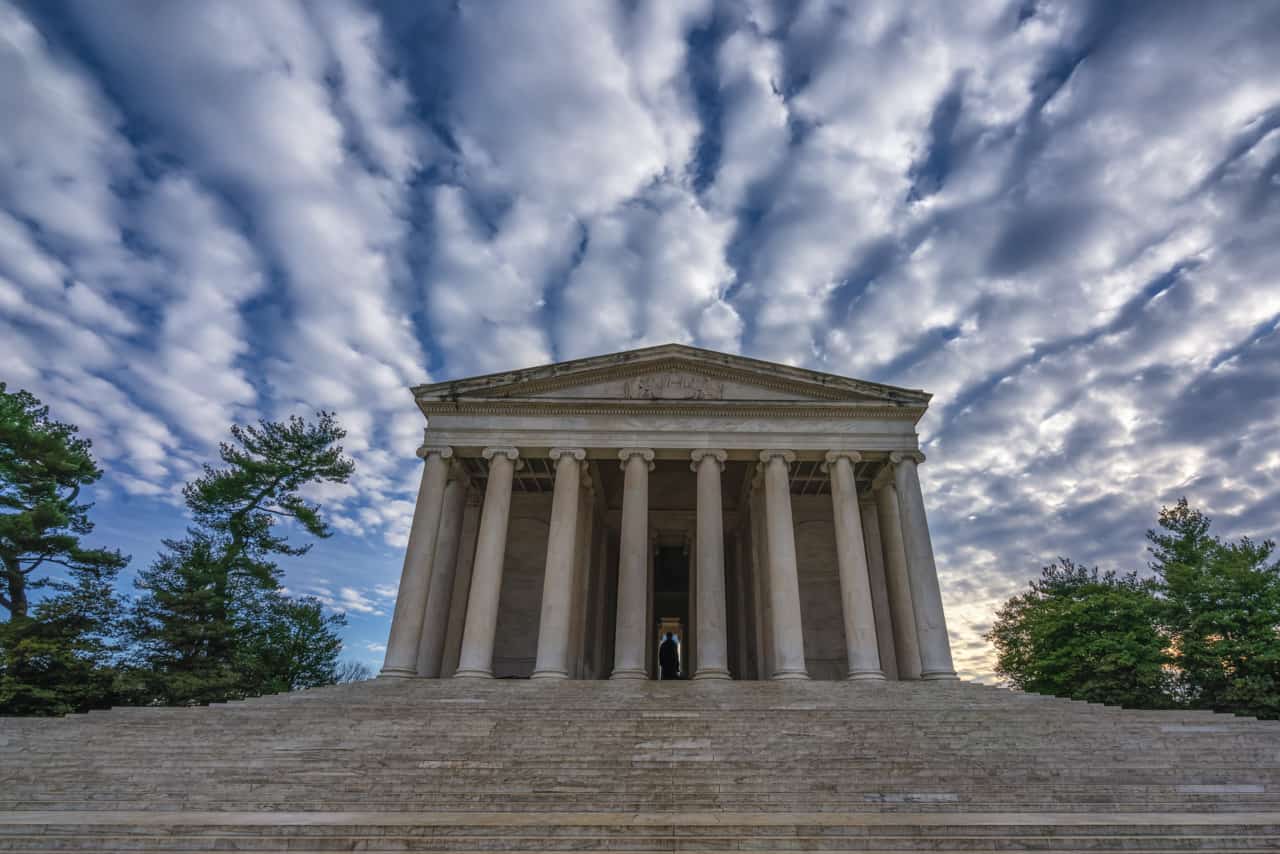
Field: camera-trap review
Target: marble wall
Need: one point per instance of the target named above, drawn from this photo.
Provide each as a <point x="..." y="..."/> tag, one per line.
<point x="520" y="607"/>
<point x="824" y="645"/>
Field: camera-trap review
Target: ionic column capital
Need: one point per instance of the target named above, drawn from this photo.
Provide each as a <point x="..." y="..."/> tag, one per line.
<point x="900" y="456"/>
<point x="787" y="456"/>
<point x="577" y="453"/>
<point x="699" y="454"/>
<point x="444" y="451"/>
<point x="625" y="454"/>
<point x="510" y="453"/>
<point x="832" y="456"/>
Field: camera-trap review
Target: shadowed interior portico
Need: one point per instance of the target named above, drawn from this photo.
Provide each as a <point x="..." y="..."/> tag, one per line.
<point x="557" y="502"/>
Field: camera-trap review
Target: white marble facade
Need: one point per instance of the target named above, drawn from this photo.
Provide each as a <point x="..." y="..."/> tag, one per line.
<point x="772" y="513"/>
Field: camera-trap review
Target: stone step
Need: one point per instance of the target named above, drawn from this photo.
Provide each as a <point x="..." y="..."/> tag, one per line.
<point x="895" y="766"/>
<point x="688" y="831"/>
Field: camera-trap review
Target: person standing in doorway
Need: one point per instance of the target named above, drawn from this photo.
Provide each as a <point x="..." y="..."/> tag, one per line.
<point x="669" y="657"/>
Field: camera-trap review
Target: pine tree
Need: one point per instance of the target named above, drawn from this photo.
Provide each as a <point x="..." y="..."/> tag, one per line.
<point x="55" y="656"/>
<point x="211" y="623"/>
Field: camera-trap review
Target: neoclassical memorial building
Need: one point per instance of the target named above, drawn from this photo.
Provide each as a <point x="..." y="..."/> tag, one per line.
<point x="571" y="515"/>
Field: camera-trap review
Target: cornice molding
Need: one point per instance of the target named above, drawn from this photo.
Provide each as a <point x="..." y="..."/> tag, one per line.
<point x="714" y="409"/>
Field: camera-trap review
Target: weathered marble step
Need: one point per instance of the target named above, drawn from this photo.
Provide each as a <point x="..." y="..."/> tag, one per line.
<point x="642" y="844"/>
<point x="560" y="799"/>
<point x="812" y="740"/>
<point x="429" y="772"/>
<point x="619" y="832"/>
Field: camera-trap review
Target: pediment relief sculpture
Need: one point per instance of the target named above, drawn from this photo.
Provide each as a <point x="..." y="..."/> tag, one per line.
<point x="674" y="386"/>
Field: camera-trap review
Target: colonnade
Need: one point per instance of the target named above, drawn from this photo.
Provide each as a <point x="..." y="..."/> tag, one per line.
<point x="902" y="538"/>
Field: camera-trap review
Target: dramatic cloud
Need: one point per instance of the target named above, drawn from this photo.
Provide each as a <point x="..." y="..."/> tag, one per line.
<point x="1058" y="217"/>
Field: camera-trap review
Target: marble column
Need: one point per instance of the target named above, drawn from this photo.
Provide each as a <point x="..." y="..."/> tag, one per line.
<point x="443" y="566"/>
<point x="851" y="559"/>
<point x="784" y="581"/>
<point x="879" y="592"/>
<point x="922" y="572"/>
<point x="906" y="644"/>
<point x="580" y="607"/>
<point x="558" y="577"/>
<point x="632" y="627"/>
<point x="476" y="658"/>
<point x="712" y="650"/>
<point x="415" y="577"/>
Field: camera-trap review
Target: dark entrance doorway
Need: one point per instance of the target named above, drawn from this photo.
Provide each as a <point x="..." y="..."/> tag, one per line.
<point x="671" y="600"/>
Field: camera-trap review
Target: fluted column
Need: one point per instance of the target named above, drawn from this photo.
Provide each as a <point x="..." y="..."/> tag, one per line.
<point x="711" y="634"/>
<point x="922" y="572"/>
<point x="415" y="576"/>
<point x="476" y="659"/>
<point x="851" y="558"/>
<point x="906" y="643"/>
<point x="633" y="566"/>
<point x="879" y="592"/>
<point x="443" y="566"/>
<point x="557" y="584"/>
<point x="784" y="581"/>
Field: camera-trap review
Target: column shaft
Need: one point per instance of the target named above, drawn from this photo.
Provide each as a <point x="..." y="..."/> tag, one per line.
<point x="476" y="658"/>
<point x="906" y="644"/>
<point x="558" y="577"/>
<point x="712" y="650"/>
<point x="632" y="628"/>
<point x="415" y="577"/>
<point x="851" y="558"/>
<point x="922" y="572"/>
<point x="440" y="592"/>
<point x="879" y="592"/>
<point x="784" y="581"/>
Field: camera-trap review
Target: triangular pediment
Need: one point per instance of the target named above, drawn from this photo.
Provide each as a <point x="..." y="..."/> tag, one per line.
<point x="670" y="373"/>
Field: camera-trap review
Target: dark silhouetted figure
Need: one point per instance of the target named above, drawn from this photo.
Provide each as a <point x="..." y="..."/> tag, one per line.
<point x="669" y="657"/>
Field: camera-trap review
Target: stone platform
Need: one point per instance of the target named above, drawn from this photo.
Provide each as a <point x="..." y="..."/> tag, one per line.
<point x="460" y="765"/>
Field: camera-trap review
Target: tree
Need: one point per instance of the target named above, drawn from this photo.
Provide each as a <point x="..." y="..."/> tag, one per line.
<point x="211" y="612"/>
<point x="290" y="646"/>
<point x="56" y="655"/>
<point x="60" y="658"/>
<point x="1086" y="635"/>
<point x="352" y="671"/>
<point x="43" y="467"/>
<point x="1222" y="608"/>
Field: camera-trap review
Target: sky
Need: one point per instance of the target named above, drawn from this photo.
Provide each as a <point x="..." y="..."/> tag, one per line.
<point x="1061" y="219"/>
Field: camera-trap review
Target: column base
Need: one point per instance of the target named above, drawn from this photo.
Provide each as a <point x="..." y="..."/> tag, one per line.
<point x="630" y="673"/>
<point x="397" y="673"/>
<point x="865" y="676"/>
<point x="719" y="673"/>
<point x="780" y="675"/>
<point x="940" y="676"/>
<point x="473" y="673"/>
<point x="550" y="674"/>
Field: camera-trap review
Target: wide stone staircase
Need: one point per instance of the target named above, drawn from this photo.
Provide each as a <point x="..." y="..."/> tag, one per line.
<point x="454" y="765"/>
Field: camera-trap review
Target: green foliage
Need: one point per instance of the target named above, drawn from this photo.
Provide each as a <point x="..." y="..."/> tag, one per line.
<point x="57" y="656"/>
<point x="59" y="659"/>
<point x="1086" y="635"/>
<point x="212" y="623"/>
<point x="1203" y="632"/>
<point x="291" y="645"/>
<point x="43" y="467"/>
<point x="1222" y="608"/>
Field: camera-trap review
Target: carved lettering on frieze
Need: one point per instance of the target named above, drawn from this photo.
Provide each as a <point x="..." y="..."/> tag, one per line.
<point x="674" y="386"/>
